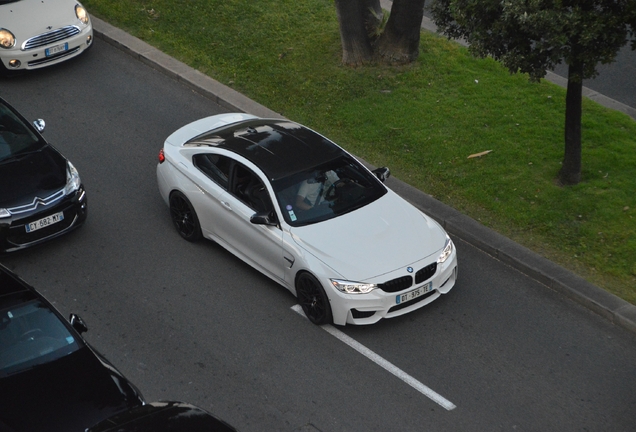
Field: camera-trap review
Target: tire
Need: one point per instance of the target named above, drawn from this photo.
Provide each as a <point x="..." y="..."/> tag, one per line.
<point x="184" y="217"/>
<point x="313" y="299"/>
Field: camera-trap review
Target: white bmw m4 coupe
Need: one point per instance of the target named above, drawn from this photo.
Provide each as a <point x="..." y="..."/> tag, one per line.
<point x="303" y="211"/>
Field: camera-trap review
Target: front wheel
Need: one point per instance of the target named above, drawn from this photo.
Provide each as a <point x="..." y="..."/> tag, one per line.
<point x="313" y="299"/>
<point x="184" y="217"/>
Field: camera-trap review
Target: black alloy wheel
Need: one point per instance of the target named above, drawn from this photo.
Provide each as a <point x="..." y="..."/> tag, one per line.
<point x="184" y="217"/>
<point x="313" y="299"/>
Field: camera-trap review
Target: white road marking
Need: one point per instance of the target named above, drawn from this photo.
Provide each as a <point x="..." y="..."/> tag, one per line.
<point x="390" y="367"/>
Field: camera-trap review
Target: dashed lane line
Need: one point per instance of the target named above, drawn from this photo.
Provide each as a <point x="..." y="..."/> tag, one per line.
<point x="390" y="367"/>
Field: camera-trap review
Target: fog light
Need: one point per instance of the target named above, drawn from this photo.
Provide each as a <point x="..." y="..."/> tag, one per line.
<point x="89" y="40"/>
<point x="15" y="63"/>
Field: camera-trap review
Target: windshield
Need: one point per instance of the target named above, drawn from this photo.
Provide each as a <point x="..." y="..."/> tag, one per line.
<point x="15" y="137"/>
<point x="326" y="191"/>
<point x="31" y="334"/>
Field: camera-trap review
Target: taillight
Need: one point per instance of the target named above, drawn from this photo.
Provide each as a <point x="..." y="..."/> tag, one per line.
<point x="162" y="157"/>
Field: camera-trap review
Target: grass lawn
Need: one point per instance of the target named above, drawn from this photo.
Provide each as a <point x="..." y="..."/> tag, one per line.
<point x="423" y="121"/>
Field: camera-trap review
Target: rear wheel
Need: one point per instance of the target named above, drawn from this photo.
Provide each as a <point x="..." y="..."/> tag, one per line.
<point x="313" y="299"/>
<point x="184" y="217"/>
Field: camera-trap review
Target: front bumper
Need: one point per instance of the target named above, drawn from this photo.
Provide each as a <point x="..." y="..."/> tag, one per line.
<point x="362" y="309"/>
<point x="16" y="58"/>
<point x="13" y="234"/>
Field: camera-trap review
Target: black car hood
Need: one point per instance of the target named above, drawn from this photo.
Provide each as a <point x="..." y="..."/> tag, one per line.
<point x="167" y="416"/>
<point x="69" y="394"/>
<point x="39" y="173"/>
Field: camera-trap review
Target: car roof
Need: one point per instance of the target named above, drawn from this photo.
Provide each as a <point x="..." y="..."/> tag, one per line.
<point x="278" y="147"/>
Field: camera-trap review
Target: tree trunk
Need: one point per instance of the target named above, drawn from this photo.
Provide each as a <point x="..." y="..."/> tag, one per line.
<point x="400" y="41"/>
<point x="570" y="173"/>
<point x="356" y="44"/>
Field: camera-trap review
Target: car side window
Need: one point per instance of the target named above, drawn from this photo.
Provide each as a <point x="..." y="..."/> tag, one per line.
<point x="249" y="188"/>
<point x="215" y="166"/>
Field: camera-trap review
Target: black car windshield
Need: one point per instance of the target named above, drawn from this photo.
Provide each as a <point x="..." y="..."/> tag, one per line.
<point x="15" y="137"/>
<point x="326" y="191"/>
<point x="32" y="334"/>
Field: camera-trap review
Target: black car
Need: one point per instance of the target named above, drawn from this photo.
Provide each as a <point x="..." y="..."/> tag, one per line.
<point x="41" y="194"/>
<point x="164" y="417"/>
<point x="50" y="378"/>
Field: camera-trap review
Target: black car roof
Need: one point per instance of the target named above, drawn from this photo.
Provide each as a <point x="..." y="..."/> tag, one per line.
<point x="279" y="147"/>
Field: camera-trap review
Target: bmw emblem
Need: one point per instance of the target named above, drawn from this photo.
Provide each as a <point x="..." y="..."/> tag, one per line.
<point x="409" y="269"/>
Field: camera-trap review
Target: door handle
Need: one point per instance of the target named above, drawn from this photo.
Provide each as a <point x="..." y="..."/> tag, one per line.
<point x="226" y="205"/>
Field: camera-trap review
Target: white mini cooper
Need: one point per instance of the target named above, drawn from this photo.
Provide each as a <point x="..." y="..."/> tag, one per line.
<point x="38" y="33"/>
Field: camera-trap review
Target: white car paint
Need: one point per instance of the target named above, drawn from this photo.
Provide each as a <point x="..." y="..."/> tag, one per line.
<point x="29" y="18"/>
<point x="198" y="127"/>
<point x="373" y="244"/>
<point x="390" y="222"/>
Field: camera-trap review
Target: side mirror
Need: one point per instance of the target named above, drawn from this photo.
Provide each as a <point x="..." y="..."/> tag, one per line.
<point x="263" y="218"/>
<point x="78" y="323"/>
<point x="39" y="125"/>
<point x="382" y="173"/>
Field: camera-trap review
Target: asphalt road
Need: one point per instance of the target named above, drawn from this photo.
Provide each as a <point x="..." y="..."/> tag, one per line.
<point x="191" y="322"/>
<point x="614" y="80"/>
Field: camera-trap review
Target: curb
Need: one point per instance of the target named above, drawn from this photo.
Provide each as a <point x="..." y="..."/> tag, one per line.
<point x="609" y="306"/>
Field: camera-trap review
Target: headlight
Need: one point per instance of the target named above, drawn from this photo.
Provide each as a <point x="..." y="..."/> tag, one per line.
<point x="353" y="287"/>
<point x="4" y="213"/>
<point x="7" y="40"/>
<point x="81" y="13"/>
<point x="448" y="250"/>
<point x="73" y="181"/>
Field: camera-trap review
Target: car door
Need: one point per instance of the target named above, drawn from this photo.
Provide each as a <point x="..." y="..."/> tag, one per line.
<point x="257" y="244"/>
<point x="211" y="177"/>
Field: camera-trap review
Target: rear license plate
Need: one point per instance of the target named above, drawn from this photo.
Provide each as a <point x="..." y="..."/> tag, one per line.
<point x="56" y="49"/>
<point x="44" y="222"/>
<point x="412" y="295"/>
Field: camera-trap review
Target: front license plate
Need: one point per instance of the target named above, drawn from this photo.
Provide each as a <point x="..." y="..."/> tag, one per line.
<point x="44" y="222"/>
<point x="412" y="295"/>
<point x="56" y="49"/>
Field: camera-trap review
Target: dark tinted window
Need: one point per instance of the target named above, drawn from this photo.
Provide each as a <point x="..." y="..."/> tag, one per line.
<point x="249" y="188"/>
<point x="215" y="166"/>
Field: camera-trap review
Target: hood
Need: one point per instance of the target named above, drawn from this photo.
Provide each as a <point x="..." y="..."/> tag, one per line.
<point x="207" y="124"/>
<point x="36" y="174"/>
<point x="28" y="18"/>
<point x="374" y="240"/>
<point x="165" y="416"/>
<point x="68" y="394"/>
